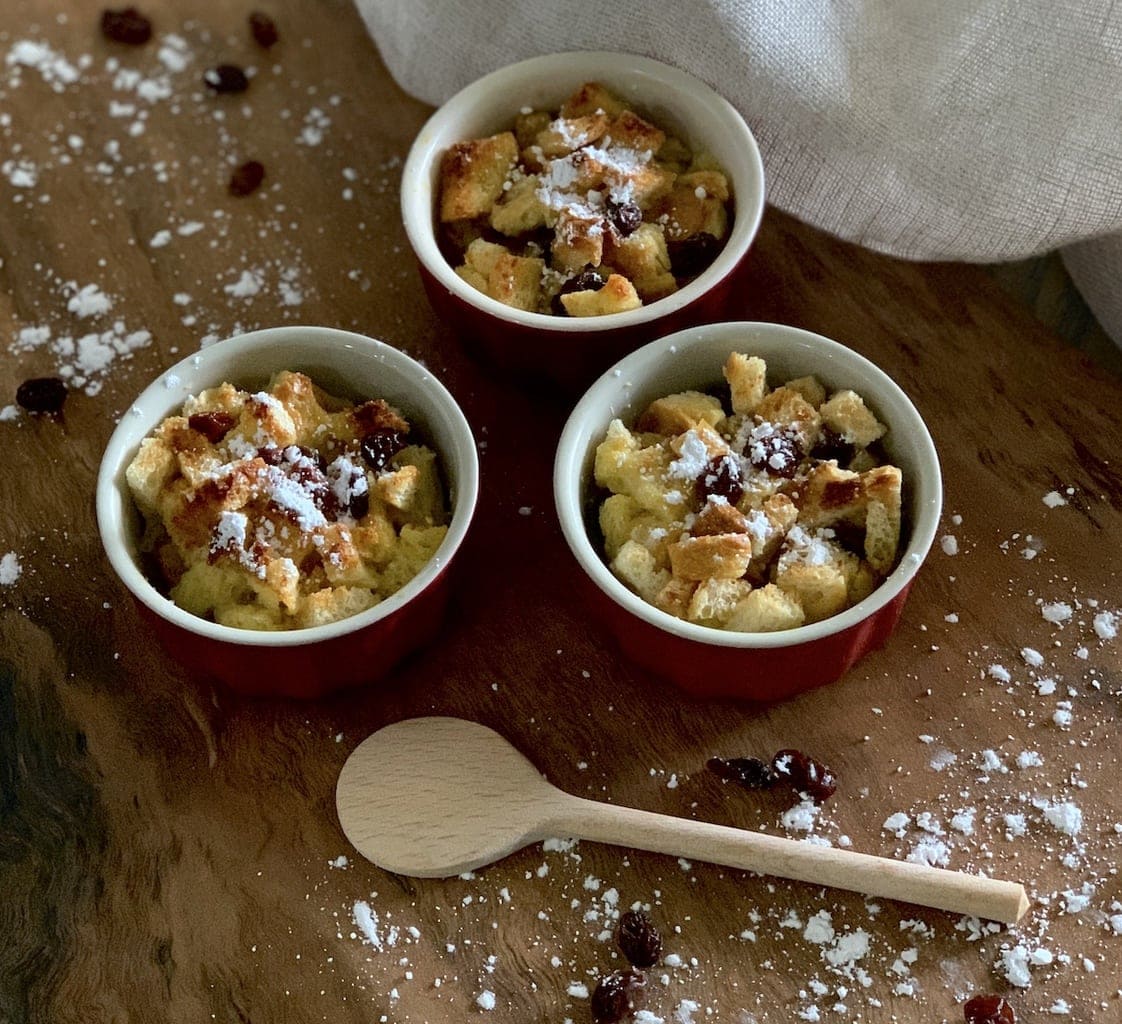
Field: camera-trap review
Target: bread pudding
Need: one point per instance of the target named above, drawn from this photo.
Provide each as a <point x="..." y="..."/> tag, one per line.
<point x="285" y="508"/>
<point x="761" y="510"/>
<point x="583" y="211"/>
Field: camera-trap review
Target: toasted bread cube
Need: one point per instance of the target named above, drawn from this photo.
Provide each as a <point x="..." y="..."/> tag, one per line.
<point x="578" y="241"/>
<point x="820" y="589"/>
<point x="648" y="183"/>
<point x="882" y="516"/>
<point x="623" y="467"/>
<point x="568" y="134"/>
<point x="713" y="183"/>
<point x="686" y="213"/>
<point x="860" y="580"/>
<point x="329" y="605"/>
<point x="847" y="416"/>
<point x="829" y="495"/>
<point x="747" y="380"/>
<point x="622" y="518"/>
<point x="674" y="598"/>
<point x="768" y="527"/>
<point x="150" y="470"/>
<point x="425" y="504"/>
<point x="713" y="600"/>
<point x="616" y="296"/>
<point x="675" y="414"/>
<point x="590" y="98"/>
<point x="520" y="209"/>
<point x="810" y="388"/>
<point x="415" y="546"/>
<point x="675" y="154"/>
<point x="704" y="161"/>
<point x="766" y="609"/>
<point x="527" y="125"/>
<point x="786" y="407"/>
<point x="723" y="556"/>
<point x="617" y="516"/>
<point x="374" y="537"/>
<point x="472" y="175"/>
<point x="512" y="280"/>
<point x="719" y="517"/>
<point x="631" y="131"/>
<point x="643" y="258"/>
<point x="636" y="566"/>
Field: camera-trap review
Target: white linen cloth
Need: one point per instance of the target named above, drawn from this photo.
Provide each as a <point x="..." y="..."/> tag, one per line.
<point x="978" y="130"/>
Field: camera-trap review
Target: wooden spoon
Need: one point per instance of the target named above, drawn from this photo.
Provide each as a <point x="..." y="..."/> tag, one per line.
<point x="434" y="797"/>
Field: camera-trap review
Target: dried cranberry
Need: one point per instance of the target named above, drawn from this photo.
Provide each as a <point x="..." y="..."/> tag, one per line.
<point x="213" y="425"/>
<point x="831" y="445"/>
<point x="749" y="772"/>
<point x="806" y="774"/>
<point x="774" y="449"/>
<point x="41" y="394"/>
<point x="270" y="455"/>
<point x="618" y="996"/>
<point x="127" y="25"/>
<point x="263" y="29"/>
<point x="721" y="477"/>
<point x="692" y="255"/>
<point x="624" y="216"/>
<point x="379" y="446"/>
<point x="988" y="1009"/>
<point x="638" y="939"/>
<point x="247" y="178"/>
<point x="226" y="78"/>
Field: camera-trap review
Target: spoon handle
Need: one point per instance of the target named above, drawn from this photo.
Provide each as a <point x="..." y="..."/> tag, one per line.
<point x="955" y="891"/>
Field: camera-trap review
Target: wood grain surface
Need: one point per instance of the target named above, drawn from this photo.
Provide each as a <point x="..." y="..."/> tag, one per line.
<point x="169" y="851"/>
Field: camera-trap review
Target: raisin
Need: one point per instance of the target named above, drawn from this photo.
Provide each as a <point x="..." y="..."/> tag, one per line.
<point x="988" y="1009"/>
<point x="831" y="445"/>
<point x="692" y="255"/>
<point x="213" y="425"/>
<point x="247" y="178"/>
<point x="41" y="394"/>
<point x="263" y="29"/>
<point x="624" y="216"/>
<point x="618" y="996"/>
<point x="358" y="505"/>
<point x="721" y="476"/>
<point x="749" y="772"/>
<point x="126" y="25"/>
<point x="588" y="280"/>
<point x="226" y="78"/>
<point x="806" y="774"/>
<point x="638" y="939"/>
<point x="379" y="446"/>
<point x="270" y="455"/>
<point x="774" y="449"/>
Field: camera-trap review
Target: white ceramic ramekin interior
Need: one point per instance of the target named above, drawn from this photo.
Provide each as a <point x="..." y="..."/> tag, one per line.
<point x="693" y="358"/>
<point x="671" y="98"/>
<point x="340" y="362"/>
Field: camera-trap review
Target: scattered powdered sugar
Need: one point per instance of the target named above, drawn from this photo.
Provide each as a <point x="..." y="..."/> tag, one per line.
<point x="1053" y="499"/>
<point x="10" y="569"/>
<point x="1106" y="625"/>
<point x="949" y="544"/>
<point x="1057" y="612"/>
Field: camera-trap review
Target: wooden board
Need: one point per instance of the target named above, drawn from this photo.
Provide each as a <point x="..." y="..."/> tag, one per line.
<point x="170" y="851"/>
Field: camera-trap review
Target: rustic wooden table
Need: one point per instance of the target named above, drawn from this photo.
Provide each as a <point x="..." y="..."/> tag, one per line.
<point x="169" y="851"/>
